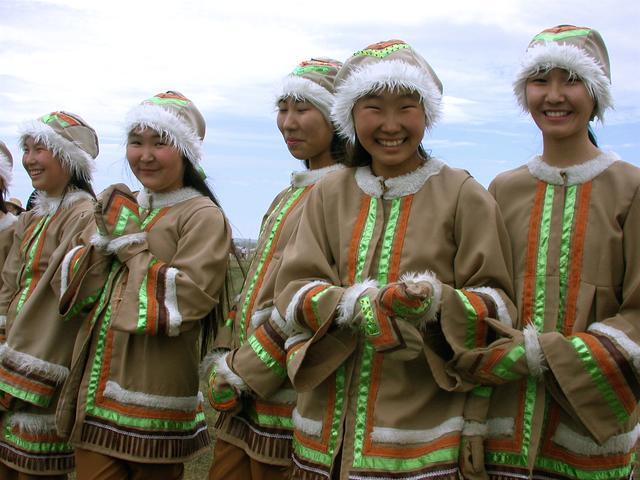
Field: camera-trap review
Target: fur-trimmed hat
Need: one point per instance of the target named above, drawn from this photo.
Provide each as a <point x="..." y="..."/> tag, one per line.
<point x="6" y="165"/>
<point x="579" y="50"/>
<point x="70" y="139"/>
<point x="312" y="80"/>
<point x="391" y="65"/>
<point x="176" y="118"/>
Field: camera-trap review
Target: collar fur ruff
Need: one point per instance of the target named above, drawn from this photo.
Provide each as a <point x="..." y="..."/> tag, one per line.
<point x="45" y="205"/>
<point x="148" y="199"/>
<point x="395" y="187"/>
<point x="7" y="220"/>
<point x="310" y="177"/>
<point x="575" y="174"/>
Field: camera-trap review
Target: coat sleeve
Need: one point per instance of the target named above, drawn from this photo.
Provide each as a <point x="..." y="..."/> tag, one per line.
<point x="598" y="370"/>
<point x="308" y="296"/>
<point x="82" y="273"/>
<point x="10" y="275"/>
<point x="169" y="296"/>
<point x="482" y="291"/>
<point x="261" y="360"/>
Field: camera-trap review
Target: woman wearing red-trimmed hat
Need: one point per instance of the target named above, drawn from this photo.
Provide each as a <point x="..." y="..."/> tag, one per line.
<point x="59" y="153"/>
<point x="566" y="402"/>
<point x="248" y="384"/>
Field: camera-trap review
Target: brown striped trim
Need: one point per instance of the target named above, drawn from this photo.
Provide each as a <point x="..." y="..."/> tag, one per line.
<point x="35" y="463"/>
<point x="609" y="367"/>
<point x="11" y="366"/>
<point x="443" y="471"/>
<point x="623" y="364"/>
<point x="577" y="251"/>
<point x="532" y="254"/>
<point x="174" y="446"/>
<point x="272" y="343"/>
<point x="273" y="443"/>
<point x="305" y="470"/>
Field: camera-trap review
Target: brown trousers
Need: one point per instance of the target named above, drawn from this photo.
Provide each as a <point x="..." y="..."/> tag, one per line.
<point x="232" y="463"/>
<point x="7" y="473"/>
<point x="95" y="466"/>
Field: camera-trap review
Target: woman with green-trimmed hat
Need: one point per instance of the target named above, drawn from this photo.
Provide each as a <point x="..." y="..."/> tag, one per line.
<point x="151" y="271"/>
<point x="567" y="390"/>
<point x="59" y="151"/>
<point x="248" y="383"/>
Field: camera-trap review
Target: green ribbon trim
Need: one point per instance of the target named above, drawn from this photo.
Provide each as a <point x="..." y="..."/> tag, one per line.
<point x="35" y="447"/>
<point x="565" y="253"/>
<point x="266" y="357"/>
<point x="242" y="319"/>
<point x="554" y="37"/>
<point x="600" y="379"/>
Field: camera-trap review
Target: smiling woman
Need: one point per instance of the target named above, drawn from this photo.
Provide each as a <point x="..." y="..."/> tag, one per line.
<point x="59" y="152"/>
<point x="565" y="404"/>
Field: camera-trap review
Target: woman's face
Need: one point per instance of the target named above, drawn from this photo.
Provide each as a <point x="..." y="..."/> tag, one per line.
<point x="390" y="126"/>
<point x="45" y="170"/>
<point x="305" y="130"/>
<point x="155" y="163"/>
<point x="560" y="104"/>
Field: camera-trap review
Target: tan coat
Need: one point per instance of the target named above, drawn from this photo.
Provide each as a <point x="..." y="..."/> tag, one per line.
<point x="133" y="392"/>
<point x="35" y="360"/>
<point x="575" y="236"/>
<point x="376" y="399"/>
<point x="264" y="428"/>
<point x="7" y="229"/>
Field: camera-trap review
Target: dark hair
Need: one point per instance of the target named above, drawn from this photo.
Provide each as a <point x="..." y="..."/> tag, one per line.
<point x="81" y="183"/>
<point x="357" y="155"/>
<point x="217" y="316"/>
<point x="3" y="192"/>
<point x="592" y="135"/>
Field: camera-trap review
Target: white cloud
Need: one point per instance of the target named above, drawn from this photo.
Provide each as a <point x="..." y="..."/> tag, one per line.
<point x="100" y="58"/>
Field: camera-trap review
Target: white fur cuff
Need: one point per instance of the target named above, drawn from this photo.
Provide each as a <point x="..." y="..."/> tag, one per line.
<point x="501" y="308"/>
<point x="223" y="370"/>
<point x="535" y="358"/>
<point x="125" y="241"/>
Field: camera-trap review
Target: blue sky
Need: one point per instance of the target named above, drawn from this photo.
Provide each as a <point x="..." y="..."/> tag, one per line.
<point x="98" y="59"/>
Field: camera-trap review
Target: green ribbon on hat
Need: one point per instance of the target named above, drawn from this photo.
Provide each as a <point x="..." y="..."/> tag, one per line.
<point x="201" y="172"/>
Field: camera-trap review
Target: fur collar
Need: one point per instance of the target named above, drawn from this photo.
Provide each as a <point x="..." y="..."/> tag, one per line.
<point x="149" y="199"/>
<point x="573" y="175"/>
<point x="310" y="177"/>
<point x="7" y="220"/>
<point x="395" y="187"/>
<point x="46" y="205"/>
